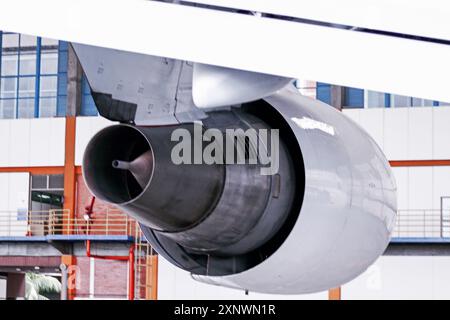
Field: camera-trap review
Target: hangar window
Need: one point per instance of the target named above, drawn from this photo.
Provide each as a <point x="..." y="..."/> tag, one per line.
<point x="354" y="98"/>
<point x="374" y="99"/>
<point x="360" y="98"/>
<point x="33" y="76"/>
<point x="46" y="203"/>
<point x="46" y="192"/>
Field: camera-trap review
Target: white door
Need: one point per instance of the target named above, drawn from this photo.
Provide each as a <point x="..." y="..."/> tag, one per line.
<point x="14" y="199"/>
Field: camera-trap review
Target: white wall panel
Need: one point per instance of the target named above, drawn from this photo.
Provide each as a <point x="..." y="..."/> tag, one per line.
<point x="420" y="133"/>
<point x="441" y="185"/>
<point x="19" y="184"/>
<point x="174" y="283"/>
<point x="4" y="192"/>
<point x="83" y="134"/>
<point x="401" y="175"/>
<point x="39" y="142"/>
<point x="47" y="138"/>
<point x="5" y="142"/>
<point x="408" y="133"/>
<point x="372" y="121"/>
<point x="20" y="143"/>
<point x="57" y="141"/>
<point x="4" y="204"/>
<point x="14" y="203"/>
<point x="441" y="133"/>
<point x="395" y="144"/>
<point x="420" y="187"/>
<point x="32" y="142"/>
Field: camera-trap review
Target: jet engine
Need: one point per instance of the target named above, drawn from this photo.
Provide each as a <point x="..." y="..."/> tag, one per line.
<point x="313" y="217"/>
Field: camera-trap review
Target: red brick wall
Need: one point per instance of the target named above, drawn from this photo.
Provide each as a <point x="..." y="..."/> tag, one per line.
<point x="29" y="261"/>
<point x="110" y="280"/>
<point x="111" y="276"/>
<point x="83" y="273"/>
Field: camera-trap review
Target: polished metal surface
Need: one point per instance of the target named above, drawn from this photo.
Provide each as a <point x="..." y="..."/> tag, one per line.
<point x="215" y="220"/>
<point x="240" y="221"/>
<point x="231" y="86"/>
<point x="141" y="168"/>
<point x="174" y="197"/>
<point x="223" y="209"/>
<point x="348" y="210"/>
<point x="160" y="87"/>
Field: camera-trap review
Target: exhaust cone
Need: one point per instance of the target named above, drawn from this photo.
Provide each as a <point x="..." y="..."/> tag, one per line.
<point x="140" y="168"/>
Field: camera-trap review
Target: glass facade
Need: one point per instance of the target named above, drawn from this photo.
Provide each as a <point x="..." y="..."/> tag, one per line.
<point x="33" y="78"/>
<point x="33" y="82"/>
<point x="360" y="98"/>
<point x="88" y="107"/>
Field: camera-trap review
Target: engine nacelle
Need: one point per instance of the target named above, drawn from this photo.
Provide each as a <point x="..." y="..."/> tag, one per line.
<point x="319" y="221"/>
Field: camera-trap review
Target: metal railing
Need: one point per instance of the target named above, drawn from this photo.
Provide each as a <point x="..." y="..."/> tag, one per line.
<point x="417" y="223"/>
<point x="422" y="223"/>
<point x="145" y="265"/>
<point x="60" y="222"/>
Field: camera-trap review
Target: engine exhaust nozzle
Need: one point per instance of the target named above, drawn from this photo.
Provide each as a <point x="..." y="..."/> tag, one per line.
<point x="131" y="167"/>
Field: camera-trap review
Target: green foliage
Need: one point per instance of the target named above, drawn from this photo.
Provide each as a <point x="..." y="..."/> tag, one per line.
<point x="38" y="285"/>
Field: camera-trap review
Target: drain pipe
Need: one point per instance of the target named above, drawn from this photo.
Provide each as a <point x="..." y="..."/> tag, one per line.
<point x="63" y="268"/>
<point x="129" y="258"/>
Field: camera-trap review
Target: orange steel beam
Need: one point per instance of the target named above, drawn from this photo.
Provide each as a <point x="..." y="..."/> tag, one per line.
<point x="334" y="294"/>
<point x="78" y="169"/>
<point x="419" y="163"/>
<point x="34" y="170"/>
<point x="69" y="171"/>
<point x="69" y="261"/>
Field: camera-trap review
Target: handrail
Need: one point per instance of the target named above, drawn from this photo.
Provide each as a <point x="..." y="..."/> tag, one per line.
<point x="419" y="223"/>
<point x="422" y="223"/>
<point x="59" y="221"/>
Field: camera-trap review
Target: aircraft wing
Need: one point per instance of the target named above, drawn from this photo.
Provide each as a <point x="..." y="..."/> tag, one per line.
<point x="401" y="47"/>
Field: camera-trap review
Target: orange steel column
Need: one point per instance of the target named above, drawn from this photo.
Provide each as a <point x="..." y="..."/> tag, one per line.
<point x="337" y="97"/>
<point x="69" y="175"/>
<point x="334" y="294"/>
<point x="151" y="277"/>
<point x="131" y="275"/>
<point x="70" y="261"/>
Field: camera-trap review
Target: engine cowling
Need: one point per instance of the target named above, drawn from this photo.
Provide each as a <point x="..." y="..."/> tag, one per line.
<point x="317" y="222"/>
